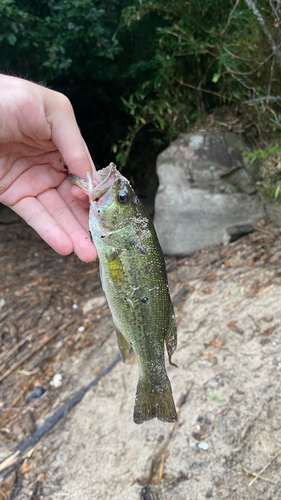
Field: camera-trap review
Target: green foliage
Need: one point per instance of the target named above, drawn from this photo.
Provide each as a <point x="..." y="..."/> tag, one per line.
<point x="68" y="45"/>
<point x="140" y="72"/>
<point x="263" y="154"/>
<point x="270" y="171"/>
<point x="199" y="56"/>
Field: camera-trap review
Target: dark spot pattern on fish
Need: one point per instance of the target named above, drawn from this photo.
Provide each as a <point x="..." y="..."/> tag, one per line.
<point x="144" y="300"/>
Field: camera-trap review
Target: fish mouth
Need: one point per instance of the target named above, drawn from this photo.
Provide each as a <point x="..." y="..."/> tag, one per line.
<point x="98" y="187"/>
<point x="98" y="183"/>
<point x="101" y="181"/>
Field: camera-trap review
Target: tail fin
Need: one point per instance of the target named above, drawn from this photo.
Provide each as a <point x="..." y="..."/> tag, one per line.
<point x="154" y="400"/>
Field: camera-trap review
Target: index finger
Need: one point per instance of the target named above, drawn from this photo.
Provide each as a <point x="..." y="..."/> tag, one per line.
<point x="66" y="134"/>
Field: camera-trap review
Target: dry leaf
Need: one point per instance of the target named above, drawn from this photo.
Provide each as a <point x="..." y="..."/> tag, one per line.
<point x="268" y="319"/>
<point x="264" y="291"/>
<point x="270" y="330"/>
<point x="211" y="277"/>
<point x="215" y="342"/>
<point x="201" y="435"/>
<point x="221" y="410"/>
<point x="234" y="328"/>
<point x="25" y="467"/>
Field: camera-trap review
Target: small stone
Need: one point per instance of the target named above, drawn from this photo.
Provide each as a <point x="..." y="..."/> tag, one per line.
<point x="56" y="380"/>
<point x="94" y="303"/>
<point x="74" y="306"/>
<point x="203" y="446"/>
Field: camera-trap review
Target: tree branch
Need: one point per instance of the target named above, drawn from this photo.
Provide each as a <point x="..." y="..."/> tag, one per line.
<point x="230" y="17"/>
<point x="252" y="6"/>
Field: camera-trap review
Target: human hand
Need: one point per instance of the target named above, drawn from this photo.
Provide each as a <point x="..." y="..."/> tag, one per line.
<point x="39" y="137"/>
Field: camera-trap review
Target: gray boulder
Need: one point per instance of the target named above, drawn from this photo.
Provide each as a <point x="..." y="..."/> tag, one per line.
<point x="206" y="194"/>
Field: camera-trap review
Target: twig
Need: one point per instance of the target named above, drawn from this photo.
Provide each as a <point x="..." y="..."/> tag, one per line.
<point x="13" y="460"/>
<point x="264" y="98"/>
<point x="261" y="477"/>
<point x="16" y="400"/>
<point x="3" y="494"/>
<point x="253" y="89"/>
<point x="36" y="348"/>
<point x="246" y="73"/>
<point x="154" y="461"/>
<point x="17" y="486"/>
<point x="265" y="467"/>
<point x="270" y="76"/>
<point x="27" y="338"/>
<point x="36" y="491"/>
<point x="272" y="353"/>
<point x="244" y="59"/>
<point x="199" y="89"/>
<point x="164" y="457"/>
<point x="230" y="17"/>
<point x="274" y="10"/>
<point x="252" y="6"/>
<point x="132" y="138"/>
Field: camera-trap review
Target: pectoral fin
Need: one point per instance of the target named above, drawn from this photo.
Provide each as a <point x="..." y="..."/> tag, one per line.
<point x="123" y="345"/>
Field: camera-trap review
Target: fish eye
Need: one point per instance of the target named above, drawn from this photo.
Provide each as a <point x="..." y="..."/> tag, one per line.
<point x="122" y="197"/>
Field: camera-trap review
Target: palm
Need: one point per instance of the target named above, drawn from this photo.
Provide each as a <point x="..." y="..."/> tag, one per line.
<point x="33" y="178"/>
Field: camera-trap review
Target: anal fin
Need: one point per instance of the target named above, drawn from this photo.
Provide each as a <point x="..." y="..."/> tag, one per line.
<point x="123" y="344"/>
<point x="171" y="339"/>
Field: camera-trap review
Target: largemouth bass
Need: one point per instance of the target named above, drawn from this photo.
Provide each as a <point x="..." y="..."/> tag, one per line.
<point x="134" y="280"/>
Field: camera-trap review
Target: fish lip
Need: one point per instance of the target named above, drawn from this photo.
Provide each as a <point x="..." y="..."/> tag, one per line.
<point x="110" y="174"/>
<point x="100" y="189"/>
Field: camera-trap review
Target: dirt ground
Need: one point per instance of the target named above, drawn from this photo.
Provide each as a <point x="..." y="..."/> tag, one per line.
<point x="55" y="320"/>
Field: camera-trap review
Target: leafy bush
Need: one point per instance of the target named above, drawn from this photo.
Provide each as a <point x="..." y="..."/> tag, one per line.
<point x="140" y="72"/>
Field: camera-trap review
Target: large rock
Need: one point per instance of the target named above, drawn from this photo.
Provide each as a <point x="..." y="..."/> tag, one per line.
<point x="206" y="194"/>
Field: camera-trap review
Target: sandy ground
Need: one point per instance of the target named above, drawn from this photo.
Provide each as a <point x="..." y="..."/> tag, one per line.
<point x="228" y="308"/>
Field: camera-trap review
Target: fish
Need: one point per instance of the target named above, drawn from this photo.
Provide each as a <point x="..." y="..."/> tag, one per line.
<point x="134" y="279"/>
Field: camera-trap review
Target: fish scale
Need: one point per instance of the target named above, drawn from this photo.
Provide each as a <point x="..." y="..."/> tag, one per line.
<point x="135" y="283"/>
